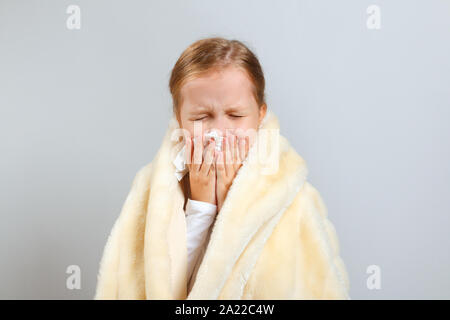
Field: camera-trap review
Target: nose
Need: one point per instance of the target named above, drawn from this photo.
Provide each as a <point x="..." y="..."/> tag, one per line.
<point x="220" y="123"/>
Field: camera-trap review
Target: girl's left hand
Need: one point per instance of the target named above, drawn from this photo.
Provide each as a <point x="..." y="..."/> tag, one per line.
<point x="229" y="160"/>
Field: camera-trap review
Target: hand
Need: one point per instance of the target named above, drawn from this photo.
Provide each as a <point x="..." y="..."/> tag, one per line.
<point x="228" y="162"/>
<point x="202" y="172"/>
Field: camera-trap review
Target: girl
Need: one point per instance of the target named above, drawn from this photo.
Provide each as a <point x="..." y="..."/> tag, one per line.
<point x="210" y="218"/>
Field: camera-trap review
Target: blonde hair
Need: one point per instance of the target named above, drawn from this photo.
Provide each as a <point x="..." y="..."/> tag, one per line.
<point x="211" y="54"/>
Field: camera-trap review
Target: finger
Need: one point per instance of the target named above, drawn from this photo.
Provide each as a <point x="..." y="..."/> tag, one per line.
<point x="235" y="151"/>
<point x="229" y="155"/>
<point x="198" y="153"/>
<point x="247" y="145"/>
<point x="220" y="164"/>
<point x="213" y="169"/>
<point x="241" y="149"/>
<point x="188" y="152"/>
<point x="209" y="157"/>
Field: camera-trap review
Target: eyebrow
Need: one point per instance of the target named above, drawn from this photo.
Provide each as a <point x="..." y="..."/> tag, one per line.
<point x="235" y="108"/>
<point x="203" y="109"/>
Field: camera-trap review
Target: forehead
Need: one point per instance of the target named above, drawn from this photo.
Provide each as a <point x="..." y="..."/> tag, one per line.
<point x="227" y="87"/>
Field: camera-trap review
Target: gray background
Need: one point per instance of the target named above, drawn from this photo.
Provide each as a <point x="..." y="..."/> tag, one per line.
<point x="83" y="110"/>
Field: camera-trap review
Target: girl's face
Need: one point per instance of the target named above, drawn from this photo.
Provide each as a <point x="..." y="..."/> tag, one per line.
<point x="221" y="100"/>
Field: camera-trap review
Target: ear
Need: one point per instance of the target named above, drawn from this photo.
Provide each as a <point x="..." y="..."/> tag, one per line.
<point x="262" y="112"/>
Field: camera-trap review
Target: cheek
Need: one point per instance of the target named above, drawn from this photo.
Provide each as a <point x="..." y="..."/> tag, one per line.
<point x="189" y="129"/>
<point x="248" y="123"/>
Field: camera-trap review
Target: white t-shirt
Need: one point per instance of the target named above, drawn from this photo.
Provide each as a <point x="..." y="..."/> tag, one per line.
<point x="199" y="218"/>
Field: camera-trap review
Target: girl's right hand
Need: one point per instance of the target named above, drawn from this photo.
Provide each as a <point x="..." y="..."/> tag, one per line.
<point x="202" y="171"/>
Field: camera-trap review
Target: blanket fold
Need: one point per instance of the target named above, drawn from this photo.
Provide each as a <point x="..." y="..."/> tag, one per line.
<point x="272" y="238"/>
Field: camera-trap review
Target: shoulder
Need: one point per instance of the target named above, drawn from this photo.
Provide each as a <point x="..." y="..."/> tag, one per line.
<point x="310" y="197"/>
<point x="142" y="177"/>
<point x="313" y="211"/>
<point x="140" y="185"/>
<point x="308" y="202"/>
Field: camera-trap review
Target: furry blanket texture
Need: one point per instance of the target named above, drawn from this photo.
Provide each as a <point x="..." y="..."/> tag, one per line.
<point x="272" y="238"/>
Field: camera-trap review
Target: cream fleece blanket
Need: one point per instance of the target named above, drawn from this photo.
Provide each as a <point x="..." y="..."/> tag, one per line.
<point x="272" y="238"/>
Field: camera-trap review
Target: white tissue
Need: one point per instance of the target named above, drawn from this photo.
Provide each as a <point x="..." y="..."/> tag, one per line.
<point x="180" y="164"/>
<point x="218" y="139"/>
